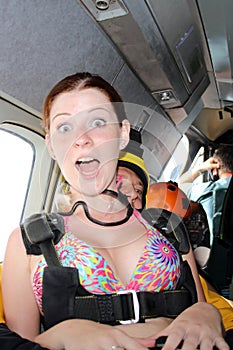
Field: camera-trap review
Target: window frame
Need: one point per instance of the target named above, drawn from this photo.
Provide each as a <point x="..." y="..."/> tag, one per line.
<point x="26" y="123"/>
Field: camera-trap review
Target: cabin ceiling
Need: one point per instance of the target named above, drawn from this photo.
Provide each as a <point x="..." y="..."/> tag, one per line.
<point x="178" y="54"/>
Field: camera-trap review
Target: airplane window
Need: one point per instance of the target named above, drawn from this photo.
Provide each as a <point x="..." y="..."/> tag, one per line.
<point x="199" y="159"/>
<point x="16" y="158"/>
<point x="177" y="161"/>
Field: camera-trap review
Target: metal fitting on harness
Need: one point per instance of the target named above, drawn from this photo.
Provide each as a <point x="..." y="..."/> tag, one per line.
<point x="135" y="306"/>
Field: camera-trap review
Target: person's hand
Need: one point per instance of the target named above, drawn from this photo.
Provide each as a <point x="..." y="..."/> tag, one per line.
<point x="147" y="329"/>
<point x="209" y="164"/>
<point x="78" y="334"/>
<point x="199" y="325"/>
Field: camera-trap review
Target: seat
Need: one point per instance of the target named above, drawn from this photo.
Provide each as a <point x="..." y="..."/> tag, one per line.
<point x="220" y="263"/>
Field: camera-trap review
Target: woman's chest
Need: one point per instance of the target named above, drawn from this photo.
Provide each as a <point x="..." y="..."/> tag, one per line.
<point x="147" y="263"/>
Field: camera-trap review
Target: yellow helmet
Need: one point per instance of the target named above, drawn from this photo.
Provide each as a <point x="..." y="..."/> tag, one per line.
<point x="137" y="165"/>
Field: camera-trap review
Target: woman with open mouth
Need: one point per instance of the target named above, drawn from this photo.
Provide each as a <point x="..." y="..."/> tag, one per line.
<point x="99" y="277"/>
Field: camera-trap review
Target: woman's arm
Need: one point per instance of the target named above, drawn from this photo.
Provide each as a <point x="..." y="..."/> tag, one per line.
<point x="192" y="174"/>
<point x="20" y="308"/>
<point x="78" y="334"/>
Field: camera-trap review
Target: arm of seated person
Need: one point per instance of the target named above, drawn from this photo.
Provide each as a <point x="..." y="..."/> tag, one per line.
<point x="77" y="334"/>
<point x="198" y="325"/>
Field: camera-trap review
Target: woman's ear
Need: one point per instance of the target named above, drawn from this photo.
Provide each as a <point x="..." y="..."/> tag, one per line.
<point x="125" y="130"/>
<point x="49" y="146"/>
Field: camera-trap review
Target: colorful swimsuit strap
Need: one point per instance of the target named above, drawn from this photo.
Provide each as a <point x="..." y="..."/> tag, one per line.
<point x="66" y="222"/>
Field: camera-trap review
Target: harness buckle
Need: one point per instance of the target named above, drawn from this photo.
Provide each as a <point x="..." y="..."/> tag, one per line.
<point x="135" y="306"/>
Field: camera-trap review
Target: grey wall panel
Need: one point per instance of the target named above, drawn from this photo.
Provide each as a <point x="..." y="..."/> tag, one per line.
<point x="43" y="41"/>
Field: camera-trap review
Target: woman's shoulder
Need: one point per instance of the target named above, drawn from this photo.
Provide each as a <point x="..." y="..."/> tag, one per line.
<point x="15" y="237"/>
<point x="15" y="246"/>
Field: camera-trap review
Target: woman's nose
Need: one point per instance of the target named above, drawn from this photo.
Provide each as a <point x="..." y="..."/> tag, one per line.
<point x="83" y="140"/>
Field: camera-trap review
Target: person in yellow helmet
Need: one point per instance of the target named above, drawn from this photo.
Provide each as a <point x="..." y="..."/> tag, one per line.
<point x="132" y="174"/>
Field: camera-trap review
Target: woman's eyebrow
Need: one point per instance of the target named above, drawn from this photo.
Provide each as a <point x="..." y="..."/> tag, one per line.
<point x="140" y="183"/>
<point x="98" y="108"/>
<point x="58" y="115"/>
<point x="89" y="111"/>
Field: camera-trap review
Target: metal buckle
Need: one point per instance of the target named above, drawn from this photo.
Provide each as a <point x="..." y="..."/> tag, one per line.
<point x="135" y="306"/>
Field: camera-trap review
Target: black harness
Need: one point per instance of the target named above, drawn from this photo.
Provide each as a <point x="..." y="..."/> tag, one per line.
<point x="65" y="298"/>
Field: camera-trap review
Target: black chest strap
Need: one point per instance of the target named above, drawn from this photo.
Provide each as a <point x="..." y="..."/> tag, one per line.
<point x="62" y="290"/>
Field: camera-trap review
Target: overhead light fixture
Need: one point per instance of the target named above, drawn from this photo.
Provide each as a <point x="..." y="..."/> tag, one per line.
<point x="102" y="4"/>
<point x="164" y="96"/>
<point x="102" y="10"/>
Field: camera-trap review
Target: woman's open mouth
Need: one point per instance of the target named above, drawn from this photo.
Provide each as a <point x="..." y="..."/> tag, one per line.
<point x="87" y="166"/>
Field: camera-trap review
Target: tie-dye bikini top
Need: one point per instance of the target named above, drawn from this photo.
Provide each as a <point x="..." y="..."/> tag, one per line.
<point x="157" y="269"/>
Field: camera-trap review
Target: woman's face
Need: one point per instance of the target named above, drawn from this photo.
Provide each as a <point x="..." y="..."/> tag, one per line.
<point x="131" y="186"/>
<point x="85" y="138"/>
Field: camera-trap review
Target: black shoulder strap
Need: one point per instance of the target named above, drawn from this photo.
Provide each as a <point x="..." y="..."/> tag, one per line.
<point x="40" y="232"/>
<point x="171" y="226"/>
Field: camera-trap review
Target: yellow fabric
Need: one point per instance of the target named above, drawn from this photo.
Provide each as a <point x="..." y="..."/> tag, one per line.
<point x="220" y="303"/>
<point x="1" y="304"/>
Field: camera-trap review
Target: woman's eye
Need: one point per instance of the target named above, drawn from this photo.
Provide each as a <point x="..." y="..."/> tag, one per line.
<point x="138" y="191"/>
<point x="64" y="128"/>
<point x="98" y="122"/>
